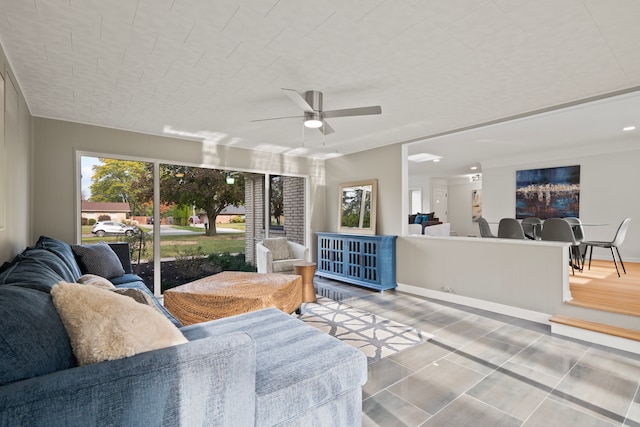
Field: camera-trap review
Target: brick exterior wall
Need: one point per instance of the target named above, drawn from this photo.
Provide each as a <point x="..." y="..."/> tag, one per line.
<point x="294" y="208"/>
<point x="254" y="215"/>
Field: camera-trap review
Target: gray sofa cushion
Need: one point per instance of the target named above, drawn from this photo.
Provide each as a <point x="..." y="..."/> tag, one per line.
<point x="32" y="337"/>
<point x="63" y="251"/>
<point x="298" y="368"/>
<point x="99" y="259"/>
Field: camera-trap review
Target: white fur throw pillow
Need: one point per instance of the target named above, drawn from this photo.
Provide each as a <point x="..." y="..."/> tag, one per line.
<point x="103" y="325"/>
<point x="94" y="280"/>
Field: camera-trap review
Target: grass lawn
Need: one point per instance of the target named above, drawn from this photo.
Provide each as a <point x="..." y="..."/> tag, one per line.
<point x="191" y="244"/>
<point x="172" y="246"/>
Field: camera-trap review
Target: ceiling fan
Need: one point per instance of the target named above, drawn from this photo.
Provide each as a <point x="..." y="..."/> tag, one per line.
<point x="314" y="116"/>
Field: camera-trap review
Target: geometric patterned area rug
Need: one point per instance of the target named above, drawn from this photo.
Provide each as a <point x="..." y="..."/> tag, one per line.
<point x="374" y="335"/>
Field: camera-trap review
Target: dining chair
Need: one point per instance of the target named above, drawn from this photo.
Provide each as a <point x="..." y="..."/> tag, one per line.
<point x="559" y="230"/>
<point x="485" y="230"/>
<point x="532" y="227"/>
<point x="617" y="241"/>
<point x="578" y="232"/>
<point x="510" y="228"/>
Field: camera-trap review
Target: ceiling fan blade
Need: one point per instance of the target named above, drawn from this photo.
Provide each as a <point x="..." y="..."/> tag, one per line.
<point x="277" y="118"/>
<point x="360" y="111"/>
<point x="325" y="128"/>
<point x="298" y="100"/>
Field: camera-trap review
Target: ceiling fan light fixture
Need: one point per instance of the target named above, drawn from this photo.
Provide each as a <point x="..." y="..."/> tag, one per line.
<point x="312" y="120"/>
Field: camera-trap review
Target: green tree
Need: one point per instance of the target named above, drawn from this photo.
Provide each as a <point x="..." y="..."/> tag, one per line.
<point x="115" y="181"/>
<point x="276" y="198"/>
<point x="207" y="189"/>
<point x="181" y="214"/>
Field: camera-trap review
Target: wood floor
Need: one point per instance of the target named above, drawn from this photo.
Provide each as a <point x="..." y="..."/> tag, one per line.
<point x="600" y="288"/>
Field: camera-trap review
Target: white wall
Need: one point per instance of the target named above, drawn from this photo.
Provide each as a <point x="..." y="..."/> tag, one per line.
<point x="381" y="163"/>
<point x="609" y="177"/>
<point x="497" y="270"/>
<point x="15" y="168"/>
<point x="55" y="175"/>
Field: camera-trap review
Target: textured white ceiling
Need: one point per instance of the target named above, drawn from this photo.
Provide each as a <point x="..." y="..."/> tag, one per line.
<point x="205" y="69"/>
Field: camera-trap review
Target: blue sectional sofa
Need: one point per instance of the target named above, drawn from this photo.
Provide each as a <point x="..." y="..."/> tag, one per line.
<point x="262" y="368"/>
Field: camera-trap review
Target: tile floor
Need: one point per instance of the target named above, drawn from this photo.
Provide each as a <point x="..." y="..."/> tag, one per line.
<point x="488" y="369"/>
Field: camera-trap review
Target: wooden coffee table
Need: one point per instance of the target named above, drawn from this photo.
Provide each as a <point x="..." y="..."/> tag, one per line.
<point x="233" y="292"/>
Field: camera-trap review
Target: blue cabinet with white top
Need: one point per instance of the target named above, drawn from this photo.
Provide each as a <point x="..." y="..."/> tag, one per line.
<point x="358" y="259"/>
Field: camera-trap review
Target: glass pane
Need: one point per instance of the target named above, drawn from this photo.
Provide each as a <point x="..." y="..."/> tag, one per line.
<point x="202" y="228"/>
<point x="116" y="206"/>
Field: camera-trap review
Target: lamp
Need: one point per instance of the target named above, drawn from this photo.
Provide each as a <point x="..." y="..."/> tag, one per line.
<point x="230" y="179"/>
<point x="312" y="120"/>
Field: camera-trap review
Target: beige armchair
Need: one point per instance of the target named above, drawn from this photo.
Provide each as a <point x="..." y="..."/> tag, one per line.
<point x="277" y="255"/>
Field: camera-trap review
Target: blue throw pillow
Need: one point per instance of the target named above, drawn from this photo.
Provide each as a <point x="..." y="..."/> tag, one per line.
<point x="63" y="251"/>
<point x="418" y="219"/>
<point x="32" y="337"/>
<point x="51" y="261"/>
<point x="30" y="272"/>
<point x="99" y="259"/>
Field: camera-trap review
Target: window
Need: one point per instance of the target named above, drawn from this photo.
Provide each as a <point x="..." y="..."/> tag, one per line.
<point x="200" y="218"/>
<point x="116" y="205"/>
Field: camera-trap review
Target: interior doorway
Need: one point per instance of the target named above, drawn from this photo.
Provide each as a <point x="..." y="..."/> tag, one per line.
<point x="439" y="203"/>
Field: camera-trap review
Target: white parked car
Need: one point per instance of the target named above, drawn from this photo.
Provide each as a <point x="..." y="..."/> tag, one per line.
<point x="102" y="228"/>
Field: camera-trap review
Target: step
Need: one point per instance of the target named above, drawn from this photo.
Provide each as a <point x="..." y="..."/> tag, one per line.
<point x="604" y="306"/>
<point x="630" y="334"/>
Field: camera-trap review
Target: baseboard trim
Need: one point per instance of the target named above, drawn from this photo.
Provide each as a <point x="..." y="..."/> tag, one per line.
<point x="508" y="310"/>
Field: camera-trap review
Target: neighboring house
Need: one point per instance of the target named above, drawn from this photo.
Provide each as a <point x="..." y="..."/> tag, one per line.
<point x="117" y="211"/>
<point x="228" y="214"/>
<point x="223" y="217"/>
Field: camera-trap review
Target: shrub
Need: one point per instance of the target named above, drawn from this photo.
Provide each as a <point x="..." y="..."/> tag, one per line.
<point x="230" y="262"/>
<point x="104" y="218"/>
<point x="238" y="219"/>
<point x="138" y="245"/>
<point x="84" y="221"/>
<point x="92" y="221"/>
<point x="190" y="261"/>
